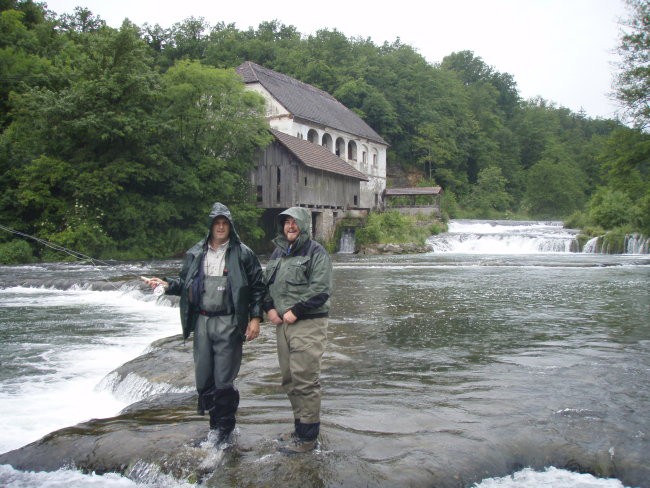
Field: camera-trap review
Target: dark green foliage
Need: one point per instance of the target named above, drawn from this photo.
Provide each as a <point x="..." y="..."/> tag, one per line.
<point x="611" y="208"/>
<point x="15" y="252"/>
<point x="115" y="159"/>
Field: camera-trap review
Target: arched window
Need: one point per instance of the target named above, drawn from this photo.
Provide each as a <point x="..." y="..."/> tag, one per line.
<point x="352" y="150"/>
<point x="328" y="142"/>
<point x="312" y="136"/>
<point x="340" y="147"/>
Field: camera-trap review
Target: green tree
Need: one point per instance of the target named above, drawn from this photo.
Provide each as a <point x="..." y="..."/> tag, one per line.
<point x="79" y="153"/>
<point x="370" y="104"/>
<point x="21" y="61"/>
<point x="554" y="188"/>
<point x="490" y="195"/>
<point x="632" y="84"/>
<point x="611" y="208"/>
<point x="212" y="130"/>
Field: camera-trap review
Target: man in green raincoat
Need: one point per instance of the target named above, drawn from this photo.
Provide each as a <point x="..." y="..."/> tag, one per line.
<point x="298" y="277"/>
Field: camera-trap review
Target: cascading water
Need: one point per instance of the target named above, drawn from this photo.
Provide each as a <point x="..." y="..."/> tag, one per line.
<point x="633" y="244"/>
<point x="346" y="244"/>
<point x="637" y="244"/>
<point x="504" y="237"/>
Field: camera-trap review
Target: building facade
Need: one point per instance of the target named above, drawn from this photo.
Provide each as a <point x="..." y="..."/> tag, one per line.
<point x="309" y="114"/>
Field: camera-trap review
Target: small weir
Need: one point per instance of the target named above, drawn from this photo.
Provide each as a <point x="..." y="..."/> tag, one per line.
<point x="347" y="242"/>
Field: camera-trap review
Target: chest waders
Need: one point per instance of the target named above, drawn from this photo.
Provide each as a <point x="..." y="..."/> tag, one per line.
<point x="217" y="355"/>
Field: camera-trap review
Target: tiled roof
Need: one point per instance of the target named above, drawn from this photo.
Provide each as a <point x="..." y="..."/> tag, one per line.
<point x="308" y="102"/>
<point x="419" y="190"/>
<point x="317" y="157"/>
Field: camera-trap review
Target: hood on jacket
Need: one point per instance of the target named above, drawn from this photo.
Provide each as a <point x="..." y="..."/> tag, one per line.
<point x="220" y="210"/>
<point x="302" y="217"/>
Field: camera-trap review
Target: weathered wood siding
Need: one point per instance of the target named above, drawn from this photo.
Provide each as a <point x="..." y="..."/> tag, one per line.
<point x="282" y="181"/>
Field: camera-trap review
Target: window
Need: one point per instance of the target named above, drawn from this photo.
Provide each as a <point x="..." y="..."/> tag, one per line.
<point x="352" y="151"/>
<point x="340" y="147"/>
<point x="327" y="142"/>
<point x="259" y="193"/>
<point x="277" y="191"/>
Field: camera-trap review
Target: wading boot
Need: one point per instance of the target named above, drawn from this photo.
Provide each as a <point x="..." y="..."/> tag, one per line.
<point x="222" y="417"/>
<point x="304" y="439"/>
<point x="289" y="436"/>
<point x="298" y="446"/>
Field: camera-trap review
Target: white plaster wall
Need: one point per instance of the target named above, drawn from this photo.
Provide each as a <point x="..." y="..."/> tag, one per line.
<point x="376" y="173"/>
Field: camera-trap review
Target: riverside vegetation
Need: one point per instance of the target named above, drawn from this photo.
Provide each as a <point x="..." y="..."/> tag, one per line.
<point x="112" y="141"/>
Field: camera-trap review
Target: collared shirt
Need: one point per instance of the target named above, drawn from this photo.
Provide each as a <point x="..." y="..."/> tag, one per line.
<point x="214" y="261"/>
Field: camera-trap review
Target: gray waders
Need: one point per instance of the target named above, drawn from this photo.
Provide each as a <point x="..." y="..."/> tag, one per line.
<point x="217" y="356"/>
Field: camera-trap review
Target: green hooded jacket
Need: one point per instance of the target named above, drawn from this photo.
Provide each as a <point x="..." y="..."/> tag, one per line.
<point x="298" y="276"/>
<point x="244" y="275"/>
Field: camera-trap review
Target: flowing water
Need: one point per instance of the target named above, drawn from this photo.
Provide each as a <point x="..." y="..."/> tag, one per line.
<point x="498" y="359"/>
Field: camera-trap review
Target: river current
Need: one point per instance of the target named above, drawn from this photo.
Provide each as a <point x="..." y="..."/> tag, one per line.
<point x="460" y="367"/>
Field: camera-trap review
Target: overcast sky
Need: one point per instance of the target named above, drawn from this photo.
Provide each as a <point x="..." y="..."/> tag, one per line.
<point x="561" y="50"/>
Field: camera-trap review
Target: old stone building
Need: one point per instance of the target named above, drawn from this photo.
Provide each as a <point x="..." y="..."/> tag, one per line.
<point x="324" y="156"/>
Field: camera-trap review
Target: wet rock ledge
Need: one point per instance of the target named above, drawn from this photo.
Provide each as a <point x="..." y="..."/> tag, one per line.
<point x="406" y="248"/>
<point x="163" y="430"/>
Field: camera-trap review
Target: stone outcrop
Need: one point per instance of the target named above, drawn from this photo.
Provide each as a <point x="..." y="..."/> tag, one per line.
<point x="162" y="432"/>
<point x="406" y="248"/>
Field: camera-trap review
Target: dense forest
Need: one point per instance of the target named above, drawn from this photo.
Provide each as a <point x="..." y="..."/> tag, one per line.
<point x="115" y="142"/>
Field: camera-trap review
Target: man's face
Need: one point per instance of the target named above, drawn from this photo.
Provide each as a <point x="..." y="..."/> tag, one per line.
<point x="291" y="229"/>
<point x="220" y="229"/>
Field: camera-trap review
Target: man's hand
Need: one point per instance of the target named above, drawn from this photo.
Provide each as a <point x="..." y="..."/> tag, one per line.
<point x="274" y="316"/>
<point x="289" y="317"/>
<point x="253" y="329"/>
<point x="154" y="282"/>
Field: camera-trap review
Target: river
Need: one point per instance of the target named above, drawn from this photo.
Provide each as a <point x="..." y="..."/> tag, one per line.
<point x="507" y="363"/>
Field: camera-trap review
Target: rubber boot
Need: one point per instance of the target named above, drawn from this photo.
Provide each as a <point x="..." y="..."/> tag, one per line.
<point x="305" y="440"/>
<point x="222" y="416"/>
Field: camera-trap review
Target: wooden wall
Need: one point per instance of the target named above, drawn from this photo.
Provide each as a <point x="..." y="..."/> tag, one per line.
<point x="282" y="181"/>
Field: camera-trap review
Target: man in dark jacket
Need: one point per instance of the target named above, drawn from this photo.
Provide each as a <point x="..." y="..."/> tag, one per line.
<point x="299" y="281"/>
<point x="221" y="290"/>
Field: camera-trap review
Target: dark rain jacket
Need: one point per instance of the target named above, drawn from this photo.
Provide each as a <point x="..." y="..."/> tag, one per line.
<point x="245" y="278"/>
<point x="298" y="278"/>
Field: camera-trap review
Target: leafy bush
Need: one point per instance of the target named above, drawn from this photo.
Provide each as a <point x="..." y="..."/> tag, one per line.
<point x="611" y="208"/>
<point x="16" y="252"/>
<point x="577" y="220"/>
<point x="391" y="228"/>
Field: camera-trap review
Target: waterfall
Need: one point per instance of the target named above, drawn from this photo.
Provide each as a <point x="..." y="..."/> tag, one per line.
<point x="633" y="244"/>
<point x="637" y="244"/>
<point x="346" y="244"/>
<point x="591" y="246"/>
<point x="504" y="237"/>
